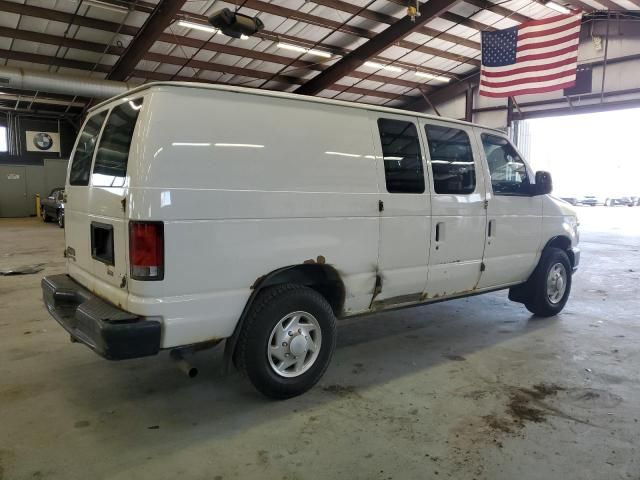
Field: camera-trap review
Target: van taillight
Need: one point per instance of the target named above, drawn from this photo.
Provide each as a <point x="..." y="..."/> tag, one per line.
<point x="146" y="250"/>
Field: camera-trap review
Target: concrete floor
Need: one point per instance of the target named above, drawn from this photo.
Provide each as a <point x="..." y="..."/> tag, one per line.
<point x="473" y="388"/>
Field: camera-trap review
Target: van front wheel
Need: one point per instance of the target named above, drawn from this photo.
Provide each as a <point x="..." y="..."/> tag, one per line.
<point x="287" y="340"/>
<point x="551" y="284"/>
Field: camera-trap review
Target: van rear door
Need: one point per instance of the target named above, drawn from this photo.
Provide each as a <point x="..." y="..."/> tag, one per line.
<point x="108" y="226"/>
<point x="78" y="246"/>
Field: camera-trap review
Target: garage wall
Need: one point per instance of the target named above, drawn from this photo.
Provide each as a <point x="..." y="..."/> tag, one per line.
<point x="18" y="125"/>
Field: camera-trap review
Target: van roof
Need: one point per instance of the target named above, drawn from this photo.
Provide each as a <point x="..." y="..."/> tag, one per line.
<point x="287" y="95"/>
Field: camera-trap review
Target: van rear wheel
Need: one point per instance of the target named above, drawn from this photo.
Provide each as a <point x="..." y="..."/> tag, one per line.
<point x="287" y="341"/>
<point x="551" y="284"/>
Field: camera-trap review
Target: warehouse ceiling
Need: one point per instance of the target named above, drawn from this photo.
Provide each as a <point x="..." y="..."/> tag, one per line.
<point x="330" y="48"/>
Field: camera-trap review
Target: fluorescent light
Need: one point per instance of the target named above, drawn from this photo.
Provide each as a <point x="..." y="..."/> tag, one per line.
<point x="557" y="7"/>
<point x="433" y="77"/>
<point x="380" y="66"/>
<point x="342" y="154"/>
<point x="244" y="145"/>
<point x="106" y="6"/>
<point x="190" y="144"/>
<point x="4" y="93"/>
<point x="310" y="51"/>
<point x="197" y="26"/>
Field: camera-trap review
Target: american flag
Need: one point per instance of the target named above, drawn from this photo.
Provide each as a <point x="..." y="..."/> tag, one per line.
<point x="534" y="57"/>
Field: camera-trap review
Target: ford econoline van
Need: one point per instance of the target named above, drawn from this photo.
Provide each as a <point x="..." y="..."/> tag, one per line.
<point x="198" y="213"/>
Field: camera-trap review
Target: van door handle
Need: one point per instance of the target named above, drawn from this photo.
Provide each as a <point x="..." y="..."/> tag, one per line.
<point x="438" y="231"/>
<point x="492" y="228"/>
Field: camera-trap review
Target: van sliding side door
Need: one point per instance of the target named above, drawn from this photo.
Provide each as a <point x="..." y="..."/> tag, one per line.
<point x="404" y="210"/>
<point x="459" y="217"/>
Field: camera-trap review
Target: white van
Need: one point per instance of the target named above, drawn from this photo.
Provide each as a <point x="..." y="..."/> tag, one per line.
<point x="197" y="213"/>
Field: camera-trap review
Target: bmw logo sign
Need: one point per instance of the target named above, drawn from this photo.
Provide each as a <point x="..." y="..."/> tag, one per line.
<point x="43" y="141"/>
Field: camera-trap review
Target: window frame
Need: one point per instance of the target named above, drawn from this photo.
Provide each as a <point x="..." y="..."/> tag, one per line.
<point x="378" y="136"/>
<point x="477" y="163"/>
<point x="530" y="177"/>
<point x="95" y="150"/>
<point x="109" y="111"/>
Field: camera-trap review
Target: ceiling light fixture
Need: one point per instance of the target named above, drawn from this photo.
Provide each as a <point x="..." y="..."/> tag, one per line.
<point x="197" y="26"/>
<point x="431" y="76"/>
<point x="106" y="6"/>
<point x="310" y="51"/>
<point x="557" y="7"/>
<point x="380" y="66"/>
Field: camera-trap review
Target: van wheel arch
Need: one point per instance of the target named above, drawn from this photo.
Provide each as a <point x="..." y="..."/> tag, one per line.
<point x="563" y="243"/>
<point x="521" y="293"/>
<point x="321" y="277"/>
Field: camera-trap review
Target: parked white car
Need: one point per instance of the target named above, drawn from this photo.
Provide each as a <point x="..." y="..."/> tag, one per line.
<point x="197" y="213"/>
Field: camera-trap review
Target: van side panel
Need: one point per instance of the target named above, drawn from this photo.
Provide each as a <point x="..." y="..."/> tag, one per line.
<point x="245" y="185"/>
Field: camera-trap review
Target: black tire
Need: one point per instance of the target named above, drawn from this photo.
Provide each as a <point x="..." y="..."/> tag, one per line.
<point x="270" y="307"/>
<point x="43" y="215"/>
<point x="538" y="301"/>
<point x="60" y="219"/>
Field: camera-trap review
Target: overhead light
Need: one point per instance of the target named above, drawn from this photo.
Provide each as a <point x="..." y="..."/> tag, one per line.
<point x="310" y="51"/>
<point x="380" y="66"/>
<point x="190" y="144"/>
<point x="197" y="26"/>
<point x="106" y="6"/>
<point x="242" y="145"/>
<point x="343" y="154"/>
<point x="557" y="7"/>
<point x="431" y="76"/>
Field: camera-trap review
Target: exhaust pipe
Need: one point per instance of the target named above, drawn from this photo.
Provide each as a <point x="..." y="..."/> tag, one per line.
<point x="179" y="357"/>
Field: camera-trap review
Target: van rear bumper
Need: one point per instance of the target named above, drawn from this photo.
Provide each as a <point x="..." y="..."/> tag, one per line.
<point x="106" y="329"/>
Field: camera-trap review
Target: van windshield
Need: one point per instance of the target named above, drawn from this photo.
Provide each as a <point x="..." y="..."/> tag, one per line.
<point x="113" y="152"/>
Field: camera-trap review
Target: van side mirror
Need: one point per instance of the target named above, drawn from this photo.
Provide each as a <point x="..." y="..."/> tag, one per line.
<point x="543" y="185"/>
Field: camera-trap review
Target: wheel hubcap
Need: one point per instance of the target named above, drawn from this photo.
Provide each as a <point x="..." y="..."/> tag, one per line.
<point x="294" y="344"/>
<point x="556" y="283"/>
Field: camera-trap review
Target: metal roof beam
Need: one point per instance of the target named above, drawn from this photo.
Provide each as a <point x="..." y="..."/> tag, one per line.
<point x="153" y="27"/>
<point x="373" y="47"/>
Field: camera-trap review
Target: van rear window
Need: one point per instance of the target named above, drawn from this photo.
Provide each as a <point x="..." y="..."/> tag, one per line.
<point x="81" y="162"/>
<point x="113" y="152"/>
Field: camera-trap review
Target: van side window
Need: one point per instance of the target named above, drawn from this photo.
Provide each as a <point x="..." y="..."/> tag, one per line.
<point x="113" y="152"/>
<point x="452" y="165"/>
<point x="508" y="171"/>
<point x="402" y="157"/>
<point x="81" y="162"/>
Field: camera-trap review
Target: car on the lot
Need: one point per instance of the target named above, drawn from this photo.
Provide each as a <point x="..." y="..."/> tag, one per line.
<point x="570" y="200"/>
<point x="200" y="213"/>
<point x="590" y="200"/>
<point x="52" y="207"/>
<point x="617" y="201"/>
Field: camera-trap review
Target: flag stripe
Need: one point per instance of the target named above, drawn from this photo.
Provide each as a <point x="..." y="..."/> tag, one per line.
<point x="546" y="54"/>
<point x="530" y="69"/>
<point x="524" y="80"/>
<point x="506" y="70"/>
<point x="551" y="42"/>
<point x="528" y="91"/>
<point x="551" y="31"/>
<point x="553" y="22"/>
<point x="526" y="86"/>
